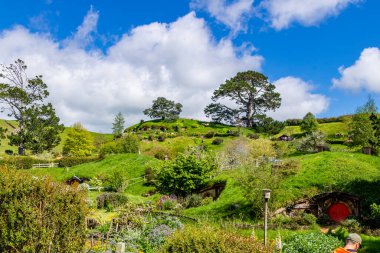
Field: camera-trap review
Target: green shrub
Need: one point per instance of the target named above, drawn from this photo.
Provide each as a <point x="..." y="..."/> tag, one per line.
<point x="37" y="215"/>
<point x="351" y="225"/>
<point x="108" y="199"/>
<point x="73" y="161"/>
<point x="129" y="143"/>
<point x="194" y="200"/>
<point x="209" y="134"/>
<point x="117" y="181"/>
<point x="21" y="162"/>
<point x="310" y="219"/>
<point x="253" y="136"/>
<point x="9" y="152"/>
<point x="207" y="239"/>
<point x="217" y="141"/>
<point x="184" y="175"/>
<point x="375" y="210"/>
<point x="311" y="242"/>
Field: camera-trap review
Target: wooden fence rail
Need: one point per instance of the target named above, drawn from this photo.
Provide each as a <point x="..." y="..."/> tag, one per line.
<point x="45" y="165"/>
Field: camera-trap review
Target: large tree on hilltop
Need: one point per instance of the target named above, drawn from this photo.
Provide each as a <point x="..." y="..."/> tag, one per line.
<point x="22" y="97"/>
<point x="253" y="95"/>
<point x="164" y="109"/>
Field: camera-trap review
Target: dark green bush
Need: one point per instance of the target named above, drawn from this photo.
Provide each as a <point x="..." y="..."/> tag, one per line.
<point x="207" y="239"/>
<point x="9" y="152"/>
<point x="311" y="242"/>
<point x="253" y="136"/>
<point x="37" y="215"/>
<point x="184" y="175"/>
<point x="72" y="161"/>
<point x="210" y="135"/>
<point x="108" y="199"/>
<point x="217" y="141"/>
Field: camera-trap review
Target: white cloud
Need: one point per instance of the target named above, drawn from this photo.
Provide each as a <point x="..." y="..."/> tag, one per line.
<point x="85" y="32"/>
<point x="363" y="74"/>
<point x="180" y="61"/>
<point x="282" y="13"/>
<point x="233" y="15"/>
<point x="297" y="99"/>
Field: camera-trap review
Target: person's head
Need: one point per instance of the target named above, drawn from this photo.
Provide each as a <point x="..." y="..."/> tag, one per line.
<point x="354" y="241"/>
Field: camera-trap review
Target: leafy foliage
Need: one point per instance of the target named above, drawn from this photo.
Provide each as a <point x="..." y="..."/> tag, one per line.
<point x="309" y="124"/>
<point x="164" y="109"/>
<point x="111" y="199"/>
<point x="269" y="125"/>
<point x="253" y="94"/>
<point x="313" y="142"/>
<point x="117" y="181"/>
<point x="79" y="142"/>
<point x="38" y="126"/>
<point x="37" y="215"/>
<point x="184" y="175"/>
<point x="311" y="242"/>
<point x="208" y="239"/>
<point x="128" y="143"/>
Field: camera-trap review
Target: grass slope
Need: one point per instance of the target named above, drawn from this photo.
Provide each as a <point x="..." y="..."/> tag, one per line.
<point x="131" y="165"/>
<point x="333" y="171"/>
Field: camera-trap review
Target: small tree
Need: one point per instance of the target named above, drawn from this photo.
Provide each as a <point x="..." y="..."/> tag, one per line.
<point x="22" y="97"/>
<point x="164" y="109"/>
<point x="269" y="126"/>
<point x="184" y="175"/>
<point x="309" y="123"/>
<point x="118" y="125"/>
<point x="79" y="141"/>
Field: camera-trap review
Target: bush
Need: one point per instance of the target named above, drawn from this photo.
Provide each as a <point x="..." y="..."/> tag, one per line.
<point x="129" y="143"/>
<point x="217" y="141"/>
<point x="111" y="199"/>
<point x="313" y="142"/>
<point x="184" y="175"/>
<point x="210" y="135"/>
<point x="351" y="225"/>
<point x="208" y="239"/>
<point x="194" y="200"/>
<point x="21" y="162"/>
<point x="37" y="215"/>
<point x="117" y="181"/>
<point x="161" y="153"/>
<point x="253" y="136"/>
<point x="312" y="242"/>
<point x="9" y="152"/>
<point x="72" y="161"/>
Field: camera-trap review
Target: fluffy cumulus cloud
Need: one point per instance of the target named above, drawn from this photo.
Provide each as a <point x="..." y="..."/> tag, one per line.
<point x="180" y="61"/>
<point x="234" y="15"/>
<point x="363" y="74"/>
<point x="297" y="99"/>
<point x="282" y="13"/>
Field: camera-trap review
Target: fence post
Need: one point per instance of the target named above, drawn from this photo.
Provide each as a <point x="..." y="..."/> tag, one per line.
<point x="120" y="247"/>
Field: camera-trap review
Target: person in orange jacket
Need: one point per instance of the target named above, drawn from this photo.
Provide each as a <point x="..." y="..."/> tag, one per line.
<point x="353" y="243"/>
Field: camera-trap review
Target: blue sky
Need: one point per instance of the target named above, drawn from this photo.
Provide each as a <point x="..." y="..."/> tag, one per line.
<point x="102" y="57"/>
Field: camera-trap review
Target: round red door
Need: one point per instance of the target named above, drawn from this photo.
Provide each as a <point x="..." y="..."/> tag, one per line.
<point x="339" y="212"/>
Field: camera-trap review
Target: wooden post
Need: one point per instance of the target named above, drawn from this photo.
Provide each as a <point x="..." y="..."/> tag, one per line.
<point x="120" y="247"/>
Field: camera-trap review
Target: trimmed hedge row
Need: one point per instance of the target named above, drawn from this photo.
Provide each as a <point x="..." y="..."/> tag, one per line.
<point x="72" y="161"/>
<point x="21" y="162"/>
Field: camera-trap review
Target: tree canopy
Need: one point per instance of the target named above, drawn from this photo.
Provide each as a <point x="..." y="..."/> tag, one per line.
<point x="309" y="123"/>
<point x="79" y="141"/>
<point x="118" y="125"/>
<point x="252" y="93"/>
<point x="164" y="109"/>
<point x="22" y="97"/>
